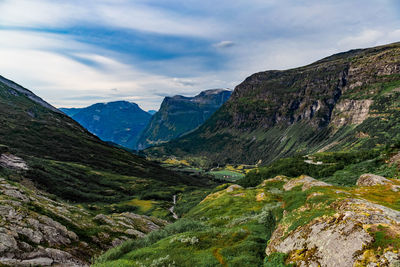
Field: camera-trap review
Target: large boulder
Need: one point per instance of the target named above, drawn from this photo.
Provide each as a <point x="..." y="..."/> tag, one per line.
<point x="304" y="180"/>
<point x="342" y="239"/>
<point x="369" y="179"/>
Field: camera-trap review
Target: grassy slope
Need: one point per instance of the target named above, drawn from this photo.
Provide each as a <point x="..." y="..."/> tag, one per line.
<point x="232" y="228"/>
<point x="74" y="165"/>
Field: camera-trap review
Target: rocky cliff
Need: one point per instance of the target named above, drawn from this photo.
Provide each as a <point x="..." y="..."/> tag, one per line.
<point x="179" y="115"/>
<point x="323" y="106"/>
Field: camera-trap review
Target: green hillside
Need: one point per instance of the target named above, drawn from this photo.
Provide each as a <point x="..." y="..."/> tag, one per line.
<point x="347" y="101"/>
<point x="56" y="176"/>
<point x="280" y="220"/>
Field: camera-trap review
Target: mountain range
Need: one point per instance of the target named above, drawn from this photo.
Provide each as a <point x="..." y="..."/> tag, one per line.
<point x="126" y="124"/>
<point x="318" y="147"/>
<point x="345" y="101"/>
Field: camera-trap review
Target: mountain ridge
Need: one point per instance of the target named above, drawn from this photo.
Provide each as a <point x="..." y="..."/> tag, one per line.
<point x="276" y="114"/>
<point x="179" y="115"/>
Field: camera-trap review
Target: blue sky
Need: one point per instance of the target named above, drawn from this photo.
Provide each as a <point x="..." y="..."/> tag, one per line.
<point x="76" y="53"/>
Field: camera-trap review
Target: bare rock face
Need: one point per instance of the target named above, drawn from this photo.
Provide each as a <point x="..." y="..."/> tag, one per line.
<point x="349" y="112"/>
<point x="369" y="179"/>
<point x="10" y="161"/>
<point x="304" y="180"/>
<point x="338" y="240"/>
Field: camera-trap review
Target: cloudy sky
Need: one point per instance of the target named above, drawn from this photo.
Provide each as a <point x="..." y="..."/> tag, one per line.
<point x="76" y="53"/>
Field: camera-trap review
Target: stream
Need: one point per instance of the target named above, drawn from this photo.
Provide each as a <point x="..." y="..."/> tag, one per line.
<point x="172" y="208"/>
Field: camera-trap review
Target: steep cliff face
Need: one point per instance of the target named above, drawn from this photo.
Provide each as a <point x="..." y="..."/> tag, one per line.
<point x="179" y="115"/>
<point x="278" y="113"/>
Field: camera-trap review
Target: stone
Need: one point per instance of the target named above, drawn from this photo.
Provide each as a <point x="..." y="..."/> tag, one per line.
<point x="7" y="243"/>
<point x="10" y="161"/>
<point x="15" y="194"/>
<point x="34" y="236"/>
<point x="134" y="233"/>
<point x="233" y="188"/>
<point x="37" y="262"/>
<point x="116" y="242"/>
<point x="369" y="179"/>
<point x="337" y="240"/>
<point x="307" y="182"/>
<point x="101" y="218"/>
<point x="278" y="178"/>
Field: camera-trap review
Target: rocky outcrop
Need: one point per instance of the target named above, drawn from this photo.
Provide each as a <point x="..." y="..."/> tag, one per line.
<point x="38" y="231"/>
<point x="8" y="160"/>
<point x="233" y="187"/>
<point x="369" y="179"/>
<point x="372" y="179"/>
<point x="278" y="178"/>
<point x="350" y="112"/>
<point x="338" y="240"/>
<point x="304" y="180"/>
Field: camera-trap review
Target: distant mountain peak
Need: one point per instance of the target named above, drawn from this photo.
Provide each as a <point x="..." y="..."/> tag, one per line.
<point x="119" y="122"/>
<point x="179" y="115"/>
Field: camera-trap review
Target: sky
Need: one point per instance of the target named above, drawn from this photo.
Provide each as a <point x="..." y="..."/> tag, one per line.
<point x="76" y="53"/>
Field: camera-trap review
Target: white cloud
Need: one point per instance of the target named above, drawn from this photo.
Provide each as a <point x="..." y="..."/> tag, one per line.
<point x="260" y="34"/>
<point x="121" y="14"/>
<point x="224" y="44"/>
<point x="65" y="82"/>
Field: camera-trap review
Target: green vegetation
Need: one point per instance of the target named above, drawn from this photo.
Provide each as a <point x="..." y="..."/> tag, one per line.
<point x="276" y="259"/>
<point x="339" y="168"/>
<point x="384" y="237"/>
<point x="227" y="227"/>
<point x="179" y="115"/>
<point x="227" y="175"/>
<point x="313" y="112"/>
<point x="70" y="163"/>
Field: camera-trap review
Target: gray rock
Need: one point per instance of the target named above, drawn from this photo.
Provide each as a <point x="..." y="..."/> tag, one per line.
<point x="10" y="161"/>
<point x="116" y="242"/>
<point x="37" y="262"/>
<point x="233" y="188"/>
<point x="7" y="243"/>
<point x="101" y="218"/>
<point x="338" y="240"/>
<point x="15" y="194"/>
<point x="34" y="236"/>
<point x="327" y="243"/>
<point x="134" y="233"/>
<point x="369" y="179"/>
<point x="304" y="180"/>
